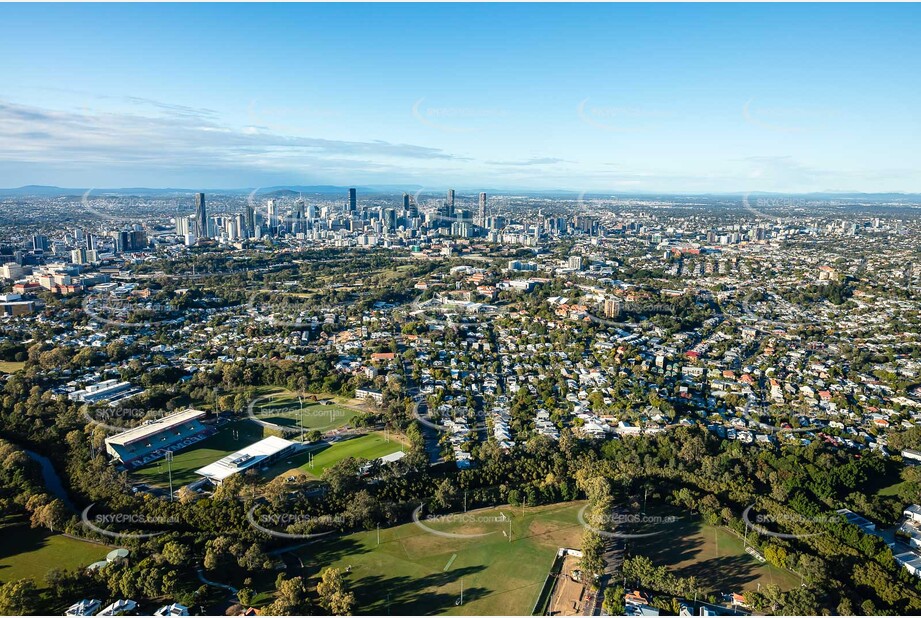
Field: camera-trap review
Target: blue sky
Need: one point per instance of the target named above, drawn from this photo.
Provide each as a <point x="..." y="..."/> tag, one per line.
<point x="628" y="98"/>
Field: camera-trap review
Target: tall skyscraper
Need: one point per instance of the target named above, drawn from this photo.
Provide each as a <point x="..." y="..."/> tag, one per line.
<point x="239" y="226"/>
<point x="39" y="242"/>
<point x="271" y="216"/>
<point x="390" y="219"/>
<point x="299" y="218"/>
<point x="250" y="221"/>
<point x="182" y="227"/>
<point x="451" y="199"/>
<point x="353" y="200"/>
<point x="201" y="216"/>
<point x="481" y="215"/>
<point x="406" y="201"/>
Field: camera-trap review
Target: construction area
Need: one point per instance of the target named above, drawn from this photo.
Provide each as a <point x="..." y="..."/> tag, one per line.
<point x="570" y="597"/>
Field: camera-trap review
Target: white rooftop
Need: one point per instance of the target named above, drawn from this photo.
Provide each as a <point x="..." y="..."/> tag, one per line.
<point x="392" y="457"/>
<point x="244" y="459"/>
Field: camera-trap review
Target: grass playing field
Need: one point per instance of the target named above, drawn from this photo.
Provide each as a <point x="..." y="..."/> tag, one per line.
<point x="369" y="446"/>
<point x="714" y="555"/>
<point x="11" y="366"/>
<point x="230" y="438"/>
<point x="281" y="407"/>
<point x="413" y="571"/>
<point x="32" y="552"/>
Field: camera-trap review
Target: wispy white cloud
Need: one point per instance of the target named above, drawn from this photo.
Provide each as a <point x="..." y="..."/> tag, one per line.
<point x="529" y="162"/>
<point x="160" y="144"/>
<point x="178" y="136"/>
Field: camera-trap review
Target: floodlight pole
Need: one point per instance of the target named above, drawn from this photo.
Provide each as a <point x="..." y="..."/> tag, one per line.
<point x="301" y="412"/>
<point x="169" y="468"/>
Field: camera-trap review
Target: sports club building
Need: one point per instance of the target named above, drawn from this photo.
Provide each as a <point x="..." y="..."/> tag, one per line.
<point x="256" y="455"/>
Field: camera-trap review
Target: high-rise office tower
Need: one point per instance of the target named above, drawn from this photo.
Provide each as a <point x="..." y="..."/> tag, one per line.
<point x="201" y="216"/>
<point x="451" y="199"/>
<point x="353" y="200"/>
<point x="182" y="226"/>
<point x="250" y="220"/>
<point x="412" y="210"/>
<point x="481" y="215"/>
<point x="137" y="240"/>
<point x="299" y="217"/>
<point x="91" y="242"/>
<point x="390" y="219"/>
<point x="405" y="202"/>
<point x="39" y="243"/>
<point x="271" y="216"/>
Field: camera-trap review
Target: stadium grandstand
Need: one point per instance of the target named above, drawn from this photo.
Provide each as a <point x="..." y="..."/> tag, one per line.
<point x="150" y="441"/>
<point x="261" y="453"/>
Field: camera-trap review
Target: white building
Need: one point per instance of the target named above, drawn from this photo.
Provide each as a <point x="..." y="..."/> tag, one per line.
<point x="259" y="453"/>
<point x="174" y="609"/>
<point x="85" y="607"/>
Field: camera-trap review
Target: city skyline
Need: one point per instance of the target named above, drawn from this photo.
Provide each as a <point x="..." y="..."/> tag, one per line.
<point x="634" y="99"/>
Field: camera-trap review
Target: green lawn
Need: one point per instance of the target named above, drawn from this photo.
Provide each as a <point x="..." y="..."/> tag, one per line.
<point x="888" y="484"/>
<point x="369" y="446"/>
<point x="32" y="552"/>
<point x="281" y="407"/>
<point x="11" y="366"/>
<point x="415" y="572"/>
<point x="714" y="555"/>
<point x="893" y="489"/>
<point x="231" y="438"/>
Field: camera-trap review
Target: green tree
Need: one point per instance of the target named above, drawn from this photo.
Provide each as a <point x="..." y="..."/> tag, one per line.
<point x="333" y="594"/>
<point x="291" y="600"/>
<point x="245" y="595"/>
<point x="176" y="553"/>
<point x="18" y="597"/>
<point x="614" y="600"/>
